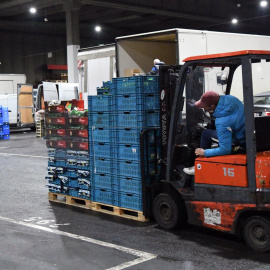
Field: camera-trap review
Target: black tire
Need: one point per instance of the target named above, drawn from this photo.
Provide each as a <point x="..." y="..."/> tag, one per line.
<point x="167" y="210"/>
<point x="257" y="233"/>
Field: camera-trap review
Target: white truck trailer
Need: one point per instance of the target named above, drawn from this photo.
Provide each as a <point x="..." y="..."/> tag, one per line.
<point x="96" y="65"/>
<point x="137" y="52"/>
<point x="18" y="97"/>
<point x="174" y="45"/>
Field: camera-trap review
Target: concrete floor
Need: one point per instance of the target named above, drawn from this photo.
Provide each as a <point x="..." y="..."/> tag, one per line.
<point x="36" y="234"/>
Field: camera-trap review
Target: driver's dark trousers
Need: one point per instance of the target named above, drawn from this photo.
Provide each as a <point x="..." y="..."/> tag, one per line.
<point x="206" y="138"/>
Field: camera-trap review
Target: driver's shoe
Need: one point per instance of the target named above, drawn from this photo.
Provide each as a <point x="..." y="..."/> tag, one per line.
<point x="189" y="171"/>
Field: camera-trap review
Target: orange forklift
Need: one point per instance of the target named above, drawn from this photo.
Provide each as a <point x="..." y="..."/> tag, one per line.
<point x="227" y="193"/>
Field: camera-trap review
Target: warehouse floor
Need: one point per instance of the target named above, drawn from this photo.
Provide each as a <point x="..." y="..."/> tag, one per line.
<point x="36" y="234"/>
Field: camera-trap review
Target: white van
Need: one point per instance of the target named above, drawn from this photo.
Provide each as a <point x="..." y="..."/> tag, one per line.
<point x="18" y="97"/>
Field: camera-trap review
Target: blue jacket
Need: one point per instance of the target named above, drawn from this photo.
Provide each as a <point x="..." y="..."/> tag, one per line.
<point x="155" y="69"/>
<point x="230" y="125"/>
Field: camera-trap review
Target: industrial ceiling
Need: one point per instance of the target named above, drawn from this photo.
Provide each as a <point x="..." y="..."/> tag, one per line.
<point x="126" y="17"/>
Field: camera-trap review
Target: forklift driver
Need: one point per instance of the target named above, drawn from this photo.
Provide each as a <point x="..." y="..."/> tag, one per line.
<point x="228" y="112"/>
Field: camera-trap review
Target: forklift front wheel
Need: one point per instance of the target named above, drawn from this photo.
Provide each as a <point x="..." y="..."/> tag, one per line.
<point x="167" y="211"/>
<point x="257" y="233"/>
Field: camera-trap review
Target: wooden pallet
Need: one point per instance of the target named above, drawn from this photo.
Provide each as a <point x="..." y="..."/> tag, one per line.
<point x="119" y="211"/>
<point x="40" y="134"/>
<point x="99" y="207"/>
<point x="74" y="201"/>
<point x="40" y="128"/>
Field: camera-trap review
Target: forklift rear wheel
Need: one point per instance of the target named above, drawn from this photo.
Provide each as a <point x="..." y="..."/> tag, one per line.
<point x="257" y="233"/>
<point x="167" y="211"/>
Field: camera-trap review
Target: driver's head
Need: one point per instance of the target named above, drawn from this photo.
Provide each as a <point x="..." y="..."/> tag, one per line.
<point x="156" y="61"/>
<point x="208" y="101"/>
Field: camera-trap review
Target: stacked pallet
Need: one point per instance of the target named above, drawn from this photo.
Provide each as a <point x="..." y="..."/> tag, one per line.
<point x="40" y="128"/>
<point x="116" y="118"/>
<point x="4" y="124"/>
<point x="67" y="142"/>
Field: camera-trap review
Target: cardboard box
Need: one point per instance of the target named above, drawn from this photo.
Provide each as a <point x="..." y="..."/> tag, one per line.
<point x="128" y="72"/>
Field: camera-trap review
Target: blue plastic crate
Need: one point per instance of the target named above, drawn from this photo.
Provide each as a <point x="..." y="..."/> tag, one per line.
<point x="101" y="165"/>
<point x="51" y="152"/>
<point x="74" y="183"/>
<point x="131" y="135"/>
<point x="83" y="173"/>
<point x="129" y="184"/>
<point x="52" y="161"/>
<point x="101" y="149"/>
<point x="71" y="154"/>
<point x="72" y="173"/>
<point x="6" y="130"/>
<point x="50" y="178"/>
<point x="54" y="181"/>
<point x="102" y="119"/>
<point x="61" y="154"/>
<point x="83" y="164"/>
<point x="58" y="189"/>
<point x="136" y="102"/>
<point x="58" y="180"/>
<point x="60" y="170"/>
<point x="104" y="91"/>
<point x="84" y="183"/>
<point x="5" y="115"/>
<point x="130" y="201"/>
<point x="63" y="178"/>
<point x="6" y="137"/>
<point x="131" y="168"/>
<point x="137" y="119"/>
<point x="84" y="194"/>
<point x="103" y="181"/>
<point x="82" y="155"/>
<point x="51" y="170"/>
<point x="137" y="84"/>
<point x="107" y="84"/>
<point x="73" y="192"/>
<point x="103" y="195"/>
<point x="100" y="134"/>
<point x="133" y="152"/>
<point x="60" y="163"/>
<point x="99" y="103"/>
<point x="71" y="163"/>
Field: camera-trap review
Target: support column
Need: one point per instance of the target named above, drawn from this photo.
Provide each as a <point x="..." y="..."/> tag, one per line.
<point x="72" y="7"/>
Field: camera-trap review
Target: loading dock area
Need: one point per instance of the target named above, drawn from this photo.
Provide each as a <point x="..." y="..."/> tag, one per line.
<point x="37" y="234"/>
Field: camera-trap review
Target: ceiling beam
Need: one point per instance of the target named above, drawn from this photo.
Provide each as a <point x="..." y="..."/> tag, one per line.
<point x="152" y="10"/>
<point x="14" y="3"/>
<point x="24" y="6"/>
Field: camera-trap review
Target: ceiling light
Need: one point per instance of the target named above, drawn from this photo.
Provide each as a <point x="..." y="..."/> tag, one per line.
<point x="97" y="28"/>
<point x="263" y="3"/>
<point x="234" y="21"/>
<point x="33" y="10"/>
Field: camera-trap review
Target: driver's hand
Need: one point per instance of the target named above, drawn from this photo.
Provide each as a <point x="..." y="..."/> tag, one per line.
<point x="199" y="152"/>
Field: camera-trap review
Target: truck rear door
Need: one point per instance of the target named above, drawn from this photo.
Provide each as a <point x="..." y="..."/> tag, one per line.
<point x="25" y="105"/>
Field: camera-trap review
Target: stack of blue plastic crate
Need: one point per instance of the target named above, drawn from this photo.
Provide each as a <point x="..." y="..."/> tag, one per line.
<point x="4" y="124"/>
<point x="101" y="143"/>
<point x="114" y="137"/>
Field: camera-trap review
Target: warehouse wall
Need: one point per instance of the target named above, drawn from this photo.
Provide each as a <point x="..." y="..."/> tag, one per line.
<point x="28" y="54"/>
